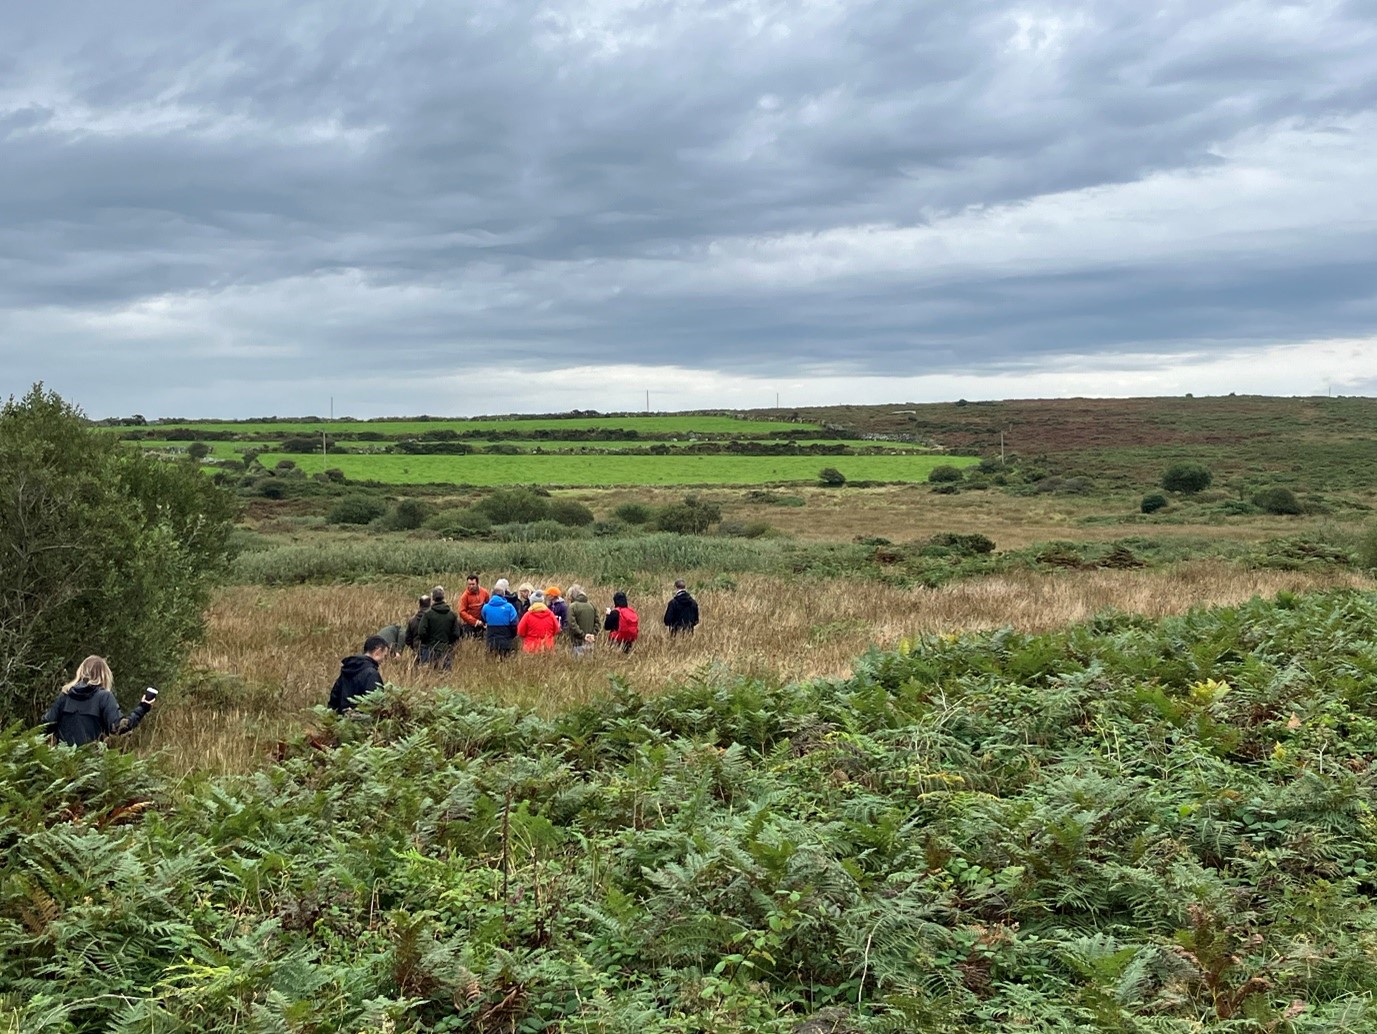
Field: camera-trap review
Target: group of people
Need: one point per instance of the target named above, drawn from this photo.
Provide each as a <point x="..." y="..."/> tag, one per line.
<point x="535" y="620"/>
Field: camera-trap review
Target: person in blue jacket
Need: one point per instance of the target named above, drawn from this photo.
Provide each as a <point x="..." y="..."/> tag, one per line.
<point x="359" y="675"/>
<point x="499" y="620"/>
<point x="86" y="709"/>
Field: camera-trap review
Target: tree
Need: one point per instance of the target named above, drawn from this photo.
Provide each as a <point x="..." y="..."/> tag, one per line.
<point x="832" y="477"/>
<point x="945" y="474"/>
<point x="102" y="550"/>
<point x="1186" y="478"/>
<point x="1278" y="500"/>
<point x="198" y="451"/>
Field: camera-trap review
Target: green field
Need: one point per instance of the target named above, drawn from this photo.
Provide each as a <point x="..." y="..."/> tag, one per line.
<point x="615" y="470"/>
<point x="655" y="424"/>
<point x="233" y="449"/>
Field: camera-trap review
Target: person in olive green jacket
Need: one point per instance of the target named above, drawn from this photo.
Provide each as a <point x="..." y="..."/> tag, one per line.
<point x="582" y="622"/>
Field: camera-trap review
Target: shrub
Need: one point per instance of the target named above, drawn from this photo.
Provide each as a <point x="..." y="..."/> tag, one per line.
<point x="198" y="451"/>
<point x="945" y="474"/>
<point x="269" y="488"/>
<point x="102" y="550"/>
<point x="460" y="523"/>
<point x="533" y="531"/>
<point x="1278" y="500"/>
<point x="959" y="543"/>
<point x="514" y="506"/>
<point x="356" y="509"/>
<point x="406" y="515"/>
<point x="1367" y="548"/>
<point x="691" y="517"/>
<point x="632" y="513"/>
<point x="743" y="529"/>
<point x="831" y="477"/>
<point x="1186" y="478"/>
<point x="570" y="512"/>
<point x="1153" y="502"/>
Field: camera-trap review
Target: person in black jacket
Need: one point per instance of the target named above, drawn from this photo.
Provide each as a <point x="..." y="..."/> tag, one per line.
<point x="681" y="613"/>
<point x="86" y="709"/>
<point x="359" y="675"/>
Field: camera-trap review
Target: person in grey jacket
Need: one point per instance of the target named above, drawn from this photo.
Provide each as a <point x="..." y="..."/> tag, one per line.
<point x="86" y="709"/>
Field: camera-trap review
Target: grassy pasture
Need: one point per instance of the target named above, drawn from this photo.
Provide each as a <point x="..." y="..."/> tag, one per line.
<point x="614" y="470"/>
<point x="232" y="449"/>
<point x="667" y="423"/>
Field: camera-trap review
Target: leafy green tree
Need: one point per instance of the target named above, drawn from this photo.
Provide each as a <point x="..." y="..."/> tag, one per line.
<point x="102" y="550"/>
<point x="1186" y="478"/>
<point x="198" y="451"/>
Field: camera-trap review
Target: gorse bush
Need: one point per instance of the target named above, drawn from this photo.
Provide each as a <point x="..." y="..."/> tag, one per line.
<point x="1279" y="501"/>
<point x="945" y="474"/>
<point x="356" y="509"/>
<point x="691" y="517"/>
<point x="1152" y="502"/>
<point x="1127" y="826"/>
<point x="1186" y="478"/>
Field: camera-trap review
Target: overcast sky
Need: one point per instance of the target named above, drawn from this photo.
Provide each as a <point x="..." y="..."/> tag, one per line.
<point x="476" y="207"/>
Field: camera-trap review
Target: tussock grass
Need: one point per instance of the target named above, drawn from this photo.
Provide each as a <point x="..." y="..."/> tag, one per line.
<point x="272" y="652"/>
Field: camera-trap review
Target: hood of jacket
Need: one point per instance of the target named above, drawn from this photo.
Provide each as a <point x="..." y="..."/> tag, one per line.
<point x="357" y="665"/>
<point x="440" y="608"/>
<point x="83" y="691"/>
<point x="580" y="597"/>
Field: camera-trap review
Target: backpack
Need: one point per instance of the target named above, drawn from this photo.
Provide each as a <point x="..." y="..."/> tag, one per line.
<point x="628" y="626"/>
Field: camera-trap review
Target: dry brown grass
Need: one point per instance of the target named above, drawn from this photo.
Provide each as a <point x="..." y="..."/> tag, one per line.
<point x="272" y="653"/>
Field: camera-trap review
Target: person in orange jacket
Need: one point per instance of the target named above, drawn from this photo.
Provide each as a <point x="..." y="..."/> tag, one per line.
<point x="538" y="628"/>
<point x="471" y="609"/>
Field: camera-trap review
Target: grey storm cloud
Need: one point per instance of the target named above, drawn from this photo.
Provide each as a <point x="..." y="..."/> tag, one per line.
<point x="291" y="188"/>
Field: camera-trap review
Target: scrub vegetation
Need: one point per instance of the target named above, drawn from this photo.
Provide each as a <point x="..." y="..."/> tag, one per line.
<point x="1025" y="739"/>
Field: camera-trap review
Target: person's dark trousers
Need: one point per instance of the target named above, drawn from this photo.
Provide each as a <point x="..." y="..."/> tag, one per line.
<point x="441" y="657"/>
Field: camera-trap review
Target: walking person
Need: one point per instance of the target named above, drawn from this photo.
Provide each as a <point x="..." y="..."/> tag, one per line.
<point x="622" y="623"/>
<point x="437" y="632"/>
<point x="471" y="608"/>
<point x="681" y="613"/>
<point x="499" y="621"/>
<point x="538" y="628"/>
<point x="582" y="624"/>
<point x="359" y="675"/>
<point x="86" y="708"/>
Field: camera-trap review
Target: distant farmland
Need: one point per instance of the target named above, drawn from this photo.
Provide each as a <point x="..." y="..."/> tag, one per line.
<point x="614" y="470"/>
<point x="654" y="424"/>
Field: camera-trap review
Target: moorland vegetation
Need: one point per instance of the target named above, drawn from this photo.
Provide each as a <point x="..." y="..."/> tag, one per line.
<point x="1102" y="763"/>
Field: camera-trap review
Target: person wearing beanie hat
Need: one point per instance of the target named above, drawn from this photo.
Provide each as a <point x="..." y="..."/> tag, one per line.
<point x="422" y="605"/>
<point x="437" y="632"/>
<point x="622" y="624"/>
<point x="557" y="606"/>
<point x="582" y="624"/>
<point x="538" y="627"/>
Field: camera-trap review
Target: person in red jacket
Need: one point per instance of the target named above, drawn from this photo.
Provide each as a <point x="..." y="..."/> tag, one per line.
<point x="538" y="628"/>
<point x="471" y="609"/>
<point x="622" y="623"/>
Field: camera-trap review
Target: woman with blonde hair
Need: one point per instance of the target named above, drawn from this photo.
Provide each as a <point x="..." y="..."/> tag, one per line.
<point x="86" y="709"/>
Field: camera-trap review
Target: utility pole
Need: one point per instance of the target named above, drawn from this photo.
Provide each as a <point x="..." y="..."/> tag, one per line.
<point x="647" y="400"/>
<point x="332" y="407"/>
<point x="776" y="400"/>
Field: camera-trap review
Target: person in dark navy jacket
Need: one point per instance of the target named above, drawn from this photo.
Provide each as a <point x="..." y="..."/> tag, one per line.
<point x="359" y="675"/>
<point x="86" y="709"/>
